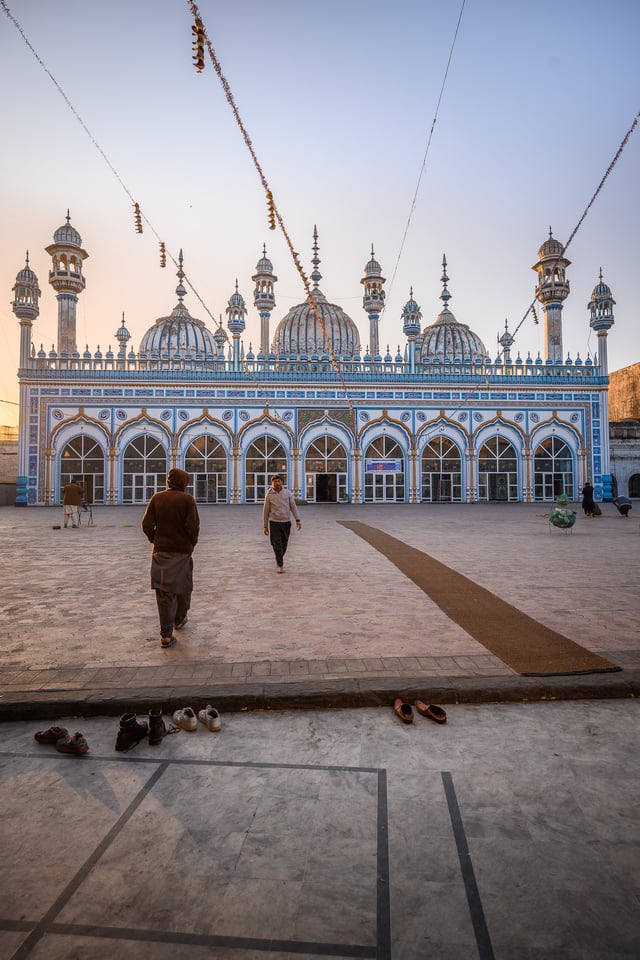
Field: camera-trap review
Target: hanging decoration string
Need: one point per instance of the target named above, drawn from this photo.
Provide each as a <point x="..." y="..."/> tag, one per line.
<point x="274" y="214"/>
<point x="138" y="213"/>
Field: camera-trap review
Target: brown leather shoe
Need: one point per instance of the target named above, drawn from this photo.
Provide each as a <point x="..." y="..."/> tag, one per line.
<point x="403" y="710"/>
<point x="432" y="711"/>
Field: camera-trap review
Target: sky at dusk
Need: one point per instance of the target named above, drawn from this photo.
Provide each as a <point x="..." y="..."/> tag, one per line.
<point x="338" y="99"/>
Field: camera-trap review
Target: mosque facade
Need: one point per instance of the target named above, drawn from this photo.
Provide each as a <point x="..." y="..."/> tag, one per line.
<point x="439" y="421"/>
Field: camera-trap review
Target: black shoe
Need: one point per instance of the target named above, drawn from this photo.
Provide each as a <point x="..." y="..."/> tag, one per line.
<point x="131" y="732"/>
<point x="157" y="728"/>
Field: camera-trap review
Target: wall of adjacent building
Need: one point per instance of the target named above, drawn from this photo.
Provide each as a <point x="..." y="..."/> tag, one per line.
<point x="624" y="393"/>
<point x="8" y="464"/>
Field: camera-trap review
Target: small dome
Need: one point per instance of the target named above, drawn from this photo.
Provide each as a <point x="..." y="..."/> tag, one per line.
<point x="26" y="275"/>
<point x="264" y="266"/>
<point x="300" y="333"/>
<point x="601" y="291"/>
<point x="550" y="248"/>
<point x="373" y="268"/>
<point x="68" y="234"/>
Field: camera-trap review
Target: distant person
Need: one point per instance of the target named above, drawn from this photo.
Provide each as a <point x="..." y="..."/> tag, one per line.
<point x="72" y="501"/>
<point x="588" y="503"/>
<point x="171" y="523"/>
<point x="279" y="504"/>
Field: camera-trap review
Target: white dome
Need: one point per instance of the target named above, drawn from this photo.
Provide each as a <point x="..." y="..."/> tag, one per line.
<point x="300" y="334"/>
<point x="178" y="334"/>
<point x="446" y="338"/>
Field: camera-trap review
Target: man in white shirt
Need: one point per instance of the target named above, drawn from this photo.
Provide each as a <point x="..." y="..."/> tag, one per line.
<point x="279" y="504"/>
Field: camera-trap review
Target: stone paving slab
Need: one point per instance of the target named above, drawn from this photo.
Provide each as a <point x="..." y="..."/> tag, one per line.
<point x="343" y="626"/>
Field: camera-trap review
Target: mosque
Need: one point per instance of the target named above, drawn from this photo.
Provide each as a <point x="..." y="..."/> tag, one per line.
<point x="440" y="421"/>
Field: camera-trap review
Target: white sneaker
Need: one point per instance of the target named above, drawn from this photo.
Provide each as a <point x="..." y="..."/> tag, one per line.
<point x="211" y="718"/>
<point x="185" y="719"/>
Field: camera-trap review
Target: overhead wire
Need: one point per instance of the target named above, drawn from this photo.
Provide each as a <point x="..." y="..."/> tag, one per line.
<point x="426" y="153"/>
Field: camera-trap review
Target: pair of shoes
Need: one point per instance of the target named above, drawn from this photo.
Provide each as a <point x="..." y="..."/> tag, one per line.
<point x="75" y="744"/>
<point x="131" y="732"/>
<point x="52" y="735"/>
<point x="432" y="711"/>
<point x="167" y="642"/>
<point x="211" y="718"/>
<point x="402" y="710"/>
<point x="186" y="719"/>
<point x="405" y="712"/>
<point x="180" y="624"/>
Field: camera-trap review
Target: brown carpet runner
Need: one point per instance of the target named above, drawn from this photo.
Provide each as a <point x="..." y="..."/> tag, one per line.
<point x="528" y="647"/>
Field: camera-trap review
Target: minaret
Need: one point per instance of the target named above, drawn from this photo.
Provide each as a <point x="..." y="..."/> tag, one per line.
<point x="263" y="297"/>
<point x="552" y="290"/>
<point x="25" y="306"/>
<point x="123" y="336"/>
<point x="601" y="309"/>
<point x="411" y="318"/>
<point x="506" y="341"/>
<point x="67" y="280"/>
<point x="373" y="301"/>
<point x="236" y="313"/>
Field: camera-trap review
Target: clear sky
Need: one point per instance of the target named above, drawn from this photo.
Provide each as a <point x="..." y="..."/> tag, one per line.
<point x="339" y="99"/>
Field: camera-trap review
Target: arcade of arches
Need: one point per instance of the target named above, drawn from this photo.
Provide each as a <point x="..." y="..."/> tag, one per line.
<point x="327" y="470"/>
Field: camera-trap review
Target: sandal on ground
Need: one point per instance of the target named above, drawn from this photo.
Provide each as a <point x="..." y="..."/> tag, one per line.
<point x="168" y="642"/>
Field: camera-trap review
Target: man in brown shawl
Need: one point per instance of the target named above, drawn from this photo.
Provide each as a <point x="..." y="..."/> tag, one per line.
<point x="171" y="523"/>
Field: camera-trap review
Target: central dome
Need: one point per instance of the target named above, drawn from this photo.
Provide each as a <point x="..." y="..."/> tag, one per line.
<point x="300" y="334"/>
<point x="447" y="339"/>
<point x="179" y="334"/>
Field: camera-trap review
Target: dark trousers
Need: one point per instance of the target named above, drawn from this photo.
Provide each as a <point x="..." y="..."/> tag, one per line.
<point x="172" y="608"/>
<point x="279" y="537"/>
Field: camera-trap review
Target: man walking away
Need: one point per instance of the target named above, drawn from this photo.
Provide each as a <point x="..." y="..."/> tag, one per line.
<point x="72" y="497"/>
<point x="171" y="523"/>
<point x="279" y="504"/>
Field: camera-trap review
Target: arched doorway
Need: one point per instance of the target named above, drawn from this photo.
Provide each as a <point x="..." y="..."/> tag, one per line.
<point x="325" y="469"/>
<point x="144" y="469"/>
<point x="497" y="470"/>
<point x="265" y="456"/>
<point x="82" y="459"/>
<point x="206" y="463"/>
<point x="634" y="486"/>
<point x="552" y="470"/>
<point x="441" y="471"/>
<point x="384" y="472"/>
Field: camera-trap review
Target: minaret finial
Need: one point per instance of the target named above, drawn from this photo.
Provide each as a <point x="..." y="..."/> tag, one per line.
<point x="316" y="276"/>
<point x="445" y="296"/>
<point x="68" y="216"/>
<point x="180" y="290"/>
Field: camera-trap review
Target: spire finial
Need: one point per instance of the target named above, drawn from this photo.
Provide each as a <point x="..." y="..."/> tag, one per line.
<point x="68" y="217"/>
<point x="550" y="233"/>
<point x="180" y="290"/>
<point x="264" y="250"/>
<point x="316" y="276"/>
<point x="445" y="296"/>
<point x="27" y="262"/>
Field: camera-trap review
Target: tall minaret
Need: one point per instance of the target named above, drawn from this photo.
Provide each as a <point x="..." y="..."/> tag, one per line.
<point x="236" y="313"/>
<point x="25" y="306"/>
<point x="552" y="290"/>
<point x="601" y="309"/>
<point x="263" y="297"/>
<point x="373" y="301"/>
<point x="66" y="278"/>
